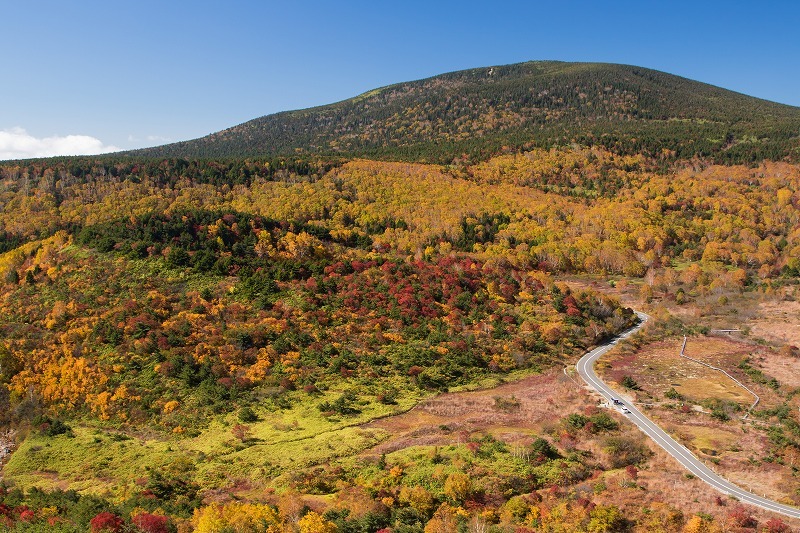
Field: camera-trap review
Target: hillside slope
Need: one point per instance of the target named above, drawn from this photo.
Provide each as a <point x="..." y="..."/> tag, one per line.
<point x="185" y="343"/>
<point x="480" y="111"/>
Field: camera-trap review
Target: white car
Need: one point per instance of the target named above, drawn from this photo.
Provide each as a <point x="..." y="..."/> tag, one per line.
<point x="626" y="410"/>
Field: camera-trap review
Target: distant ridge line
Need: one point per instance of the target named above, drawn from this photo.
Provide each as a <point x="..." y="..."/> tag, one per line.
<point x="477" y="113"/>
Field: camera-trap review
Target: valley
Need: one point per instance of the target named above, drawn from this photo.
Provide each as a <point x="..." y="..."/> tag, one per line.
<point x="366" y="326"/>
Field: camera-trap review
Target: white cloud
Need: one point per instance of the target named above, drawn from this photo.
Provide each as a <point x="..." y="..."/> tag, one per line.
<point x="16" y="143"/>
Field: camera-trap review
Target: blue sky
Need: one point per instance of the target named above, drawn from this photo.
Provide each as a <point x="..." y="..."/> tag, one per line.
<point x="92" y="75"/>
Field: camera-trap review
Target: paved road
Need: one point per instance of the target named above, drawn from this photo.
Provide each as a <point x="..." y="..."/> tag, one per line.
<point x="672" y="447"/>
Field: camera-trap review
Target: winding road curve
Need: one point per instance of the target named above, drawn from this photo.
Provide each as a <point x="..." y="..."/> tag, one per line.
<point x="585" y="368"/>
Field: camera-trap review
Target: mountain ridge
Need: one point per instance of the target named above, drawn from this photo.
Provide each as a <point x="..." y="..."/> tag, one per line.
<point x="483" y="111"/>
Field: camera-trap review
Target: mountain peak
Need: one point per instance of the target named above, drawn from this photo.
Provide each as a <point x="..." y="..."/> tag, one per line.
<point x="481" y="111"/>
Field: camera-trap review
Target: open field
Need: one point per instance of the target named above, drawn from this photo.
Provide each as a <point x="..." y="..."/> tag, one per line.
<point x="659" y="368"/>
<point x="299" y="447"/>
<point x="430" y="437"/>
<point x="510" y="410"/>
<point x="777" y="322"/>
<point x="109" y="463"/>
<point x="448" y="421"/>
<point x="704" y="408"/>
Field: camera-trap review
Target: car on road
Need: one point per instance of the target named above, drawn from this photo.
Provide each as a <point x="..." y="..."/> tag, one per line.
<point x="616" y="401"/>
<point x="626" y="410"/>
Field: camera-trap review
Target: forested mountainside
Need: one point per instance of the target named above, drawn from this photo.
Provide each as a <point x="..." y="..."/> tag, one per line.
<point x="359" y="317"/>
<point x="480" y="112"/>
<point x="230" y="327"/>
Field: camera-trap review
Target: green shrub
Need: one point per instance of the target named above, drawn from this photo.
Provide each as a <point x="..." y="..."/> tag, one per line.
<point x="603" y="422"/>
<point x="629" y="383"/>
<point x="672" y="394"/>
<point x="624" y="451"/>
<point x="246" y="414"/>
<point x="576" y="421"/>
<point x="542" y="447"/>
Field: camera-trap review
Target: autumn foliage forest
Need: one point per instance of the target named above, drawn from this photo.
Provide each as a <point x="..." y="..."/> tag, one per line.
<point x="197" y="345"/>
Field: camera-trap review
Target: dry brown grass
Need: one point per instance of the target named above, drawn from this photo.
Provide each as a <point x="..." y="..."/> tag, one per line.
<point x="777" y="322"/>
<point x="445" y="419"/>
<point x="658" y="368"/>
<point x="711" y="442"/>
<point x="666" y="482"/>
<point x="451" y="418"/>
<point x="735" y="448"/>
<point x="714" y="386"/>
<point x="785" y="369"/>
<point x="624" y="291"/>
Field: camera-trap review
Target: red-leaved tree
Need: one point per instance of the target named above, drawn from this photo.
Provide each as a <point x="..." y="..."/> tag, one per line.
<point x="106" y="521"/>
<point x="151" y="523"/>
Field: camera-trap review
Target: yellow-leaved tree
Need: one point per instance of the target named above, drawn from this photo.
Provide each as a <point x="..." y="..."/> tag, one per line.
<point x="314" y="523"/>
<point x="236" y="517"/>
<point x="697" y="524"/>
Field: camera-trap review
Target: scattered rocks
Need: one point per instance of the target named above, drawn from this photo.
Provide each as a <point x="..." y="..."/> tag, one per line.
<point x="7" y="444"/>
